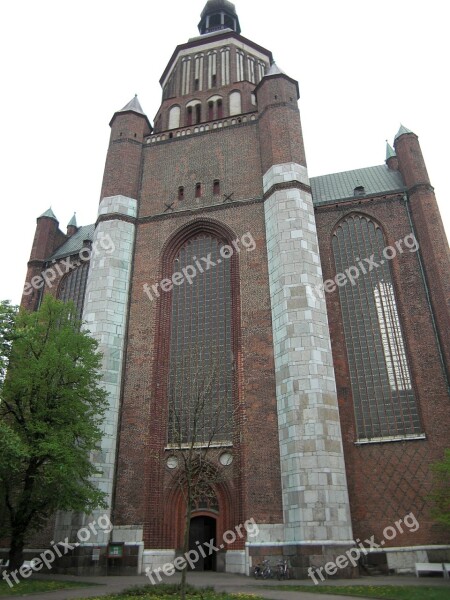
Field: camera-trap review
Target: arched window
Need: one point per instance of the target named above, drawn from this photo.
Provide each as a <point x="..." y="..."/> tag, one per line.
<point x="225" y="53"/>
<point x="73" y="287"/>
<point x="181" y="193"/>
<point x="198" y="190"/>
<point x="216" y="187"/>
<point x="193" y="112"/>
<point x="383" y="397"/>
<point x="235" y="103"/>
<point x="239" y="65"/>
<point x="200" y="374"/>
<point x="212" y="69"/>
<point x="174" y="117"/>
<point x="251" y="69"/>
<point x="215" y="108"/>
<point x="198" y="76"/>
<point x="186" y="76"/>
<point x="189" y="115"/>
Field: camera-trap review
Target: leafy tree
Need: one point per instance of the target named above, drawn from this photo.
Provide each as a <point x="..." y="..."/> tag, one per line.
<point x="7" y="320"/>
<point x="441" y="493"/>
<point x="51" y="406"/>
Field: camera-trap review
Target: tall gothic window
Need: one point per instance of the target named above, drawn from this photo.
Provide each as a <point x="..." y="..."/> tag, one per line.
<point x="225" y="67"/>
<point x="73" y="287"/>
<point x="200" y="380"/>
<point x="383" y="396"/>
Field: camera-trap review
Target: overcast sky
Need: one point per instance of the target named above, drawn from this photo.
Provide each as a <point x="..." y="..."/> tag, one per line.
<point x="68" y="66"/>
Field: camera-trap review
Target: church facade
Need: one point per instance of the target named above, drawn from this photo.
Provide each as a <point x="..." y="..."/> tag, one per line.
<point x="320" y="303"/>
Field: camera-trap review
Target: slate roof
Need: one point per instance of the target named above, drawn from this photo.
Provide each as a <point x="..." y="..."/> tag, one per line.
<point x="75" y="243"/>
<point x="339" y="186"/>
<point x="134" y="106"/>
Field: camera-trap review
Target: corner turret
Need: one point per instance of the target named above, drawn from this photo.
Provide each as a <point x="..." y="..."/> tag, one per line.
<point x="129" y="126"/>
<point x="47" y="238"/>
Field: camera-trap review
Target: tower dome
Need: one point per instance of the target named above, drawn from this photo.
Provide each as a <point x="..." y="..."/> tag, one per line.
<point x="217" y="15"/>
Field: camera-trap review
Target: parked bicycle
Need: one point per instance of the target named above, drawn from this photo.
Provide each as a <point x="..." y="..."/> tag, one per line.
<point x="263" y="571"/>
<point x="282" y="569"/>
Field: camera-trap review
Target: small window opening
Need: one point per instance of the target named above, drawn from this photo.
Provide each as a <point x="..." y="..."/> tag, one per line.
<point x="219" y="109"/>
<point x="181" y="193"/>
<point x="210" y="111"/>
<point x="213" y="80"/>
<point x="197" y="85"/>
<point x="198" y="113"/>
<point x="198" y="190"/>
<point x="189" y="116"/>
<point x="216" y="187"/>
<point x="359" y="191"/>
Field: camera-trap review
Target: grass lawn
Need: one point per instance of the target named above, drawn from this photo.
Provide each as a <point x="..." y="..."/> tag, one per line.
<point x="384" y="592"/>
<point x="166" y="591"/>
<point x="30" y="586"/>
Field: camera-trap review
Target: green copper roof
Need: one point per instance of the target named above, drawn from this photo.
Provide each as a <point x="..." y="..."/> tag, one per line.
<point x="401" y="131"/>
<point x="75" y="243"/>
<point x="73" y="221"/>
<point x="48" y="213"/>
<point x="339" y="186"/>
<point x="390" y="152"/>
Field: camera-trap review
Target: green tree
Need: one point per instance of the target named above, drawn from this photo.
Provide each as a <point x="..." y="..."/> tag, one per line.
<point x="7" y="319"/>
<point x="441" y="491"/>
<point x="51" y="407"/>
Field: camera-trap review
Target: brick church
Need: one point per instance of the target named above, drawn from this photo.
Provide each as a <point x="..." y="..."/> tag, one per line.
<point x="324" y="302"/>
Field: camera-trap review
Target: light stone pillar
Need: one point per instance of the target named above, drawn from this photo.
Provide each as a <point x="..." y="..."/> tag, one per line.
<point x="315" y="496"/>
<point x="105" y="315"/>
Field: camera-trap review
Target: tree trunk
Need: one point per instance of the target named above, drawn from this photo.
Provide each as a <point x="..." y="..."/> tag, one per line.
<point x="187" y="527"/>
<point x="16" y="552"/>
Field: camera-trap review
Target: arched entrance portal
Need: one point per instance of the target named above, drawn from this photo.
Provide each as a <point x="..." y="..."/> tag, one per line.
<point x="203" y="529"/>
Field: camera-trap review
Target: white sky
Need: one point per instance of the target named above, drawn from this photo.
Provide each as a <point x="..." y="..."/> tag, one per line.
<point x="68" y="66"/>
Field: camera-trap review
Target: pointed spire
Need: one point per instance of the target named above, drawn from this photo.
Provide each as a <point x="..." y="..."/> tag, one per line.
<point x="275" y="70"/>
<point x="390" y="152"/>
<point x="133" y="105"/>
<point x="73" y="221"/>
<point x="49" y="213"/>
<point x="401" y="131"/>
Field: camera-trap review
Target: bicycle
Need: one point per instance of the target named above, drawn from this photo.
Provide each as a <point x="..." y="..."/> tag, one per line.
<point x="263" y="571"/>
<point x="282" y="570"/>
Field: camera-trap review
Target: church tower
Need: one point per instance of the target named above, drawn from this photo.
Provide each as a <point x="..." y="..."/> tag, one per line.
<point x="220" y="183"/>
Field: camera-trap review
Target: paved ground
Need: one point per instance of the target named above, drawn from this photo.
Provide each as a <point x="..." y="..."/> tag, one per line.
<point x="224" y="582"/>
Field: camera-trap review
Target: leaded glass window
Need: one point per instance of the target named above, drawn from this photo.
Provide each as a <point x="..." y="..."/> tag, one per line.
<point x="73" y="287"/>
<point x="200" y="383"/>
<point x="383" y="396"/>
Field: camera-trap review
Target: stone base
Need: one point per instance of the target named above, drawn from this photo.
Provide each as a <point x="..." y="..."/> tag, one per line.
<point x="322" y="561"/>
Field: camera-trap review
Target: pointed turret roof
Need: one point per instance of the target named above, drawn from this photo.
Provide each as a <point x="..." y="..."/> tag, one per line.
<point x="275" y="70"/>
<point x="49" y="213"/>
<point x="402" y="130"/>
<point x="390" y="152"/>
<point x="133" y="105"/>
<point x="73" y="221"/>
